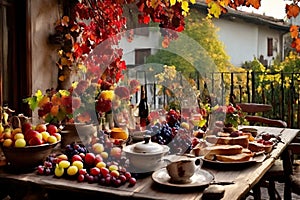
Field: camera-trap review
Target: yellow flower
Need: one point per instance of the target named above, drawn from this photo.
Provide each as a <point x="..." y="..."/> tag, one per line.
<point x="107" y="94"/>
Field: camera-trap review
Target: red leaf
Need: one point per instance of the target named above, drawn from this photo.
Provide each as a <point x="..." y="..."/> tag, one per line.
<point x="292" y="10"/>
<point x="294" y="30"/>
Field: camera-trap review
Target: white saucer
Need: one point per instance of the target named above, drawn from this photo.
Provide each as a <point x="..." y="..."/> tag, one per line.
<point x="199" y="179"/>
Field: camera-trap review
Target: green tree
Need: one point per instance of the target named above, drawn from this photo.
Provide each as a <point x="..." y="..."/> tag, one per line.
<point x="211" y="55"/>
<point x="199" y="50"/>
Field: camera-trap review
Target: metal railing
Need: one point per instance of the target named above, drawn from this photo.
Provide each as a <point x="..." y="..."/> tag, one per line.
<point x="280" y="89"/>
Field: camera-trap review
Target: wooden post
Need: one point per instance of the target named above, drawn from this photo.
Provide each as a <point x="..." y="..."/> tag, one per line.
<point x="253" y="86"/>
<point x="248" y="87"/>
<point x="282" y="96"/>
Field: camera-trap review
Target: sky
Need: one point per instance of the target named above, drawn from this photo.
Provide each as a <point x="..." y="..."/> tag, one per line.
<point x="273" y="8"/>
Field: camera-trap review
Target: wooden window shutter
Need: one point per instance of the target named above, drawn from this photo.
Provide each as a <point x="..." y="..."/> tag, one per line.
<point x="270" y="46"/>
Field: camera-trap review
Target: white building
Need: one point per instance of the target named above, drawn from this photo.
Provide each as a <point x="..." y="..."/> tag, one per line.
<point x="245" y="36"/>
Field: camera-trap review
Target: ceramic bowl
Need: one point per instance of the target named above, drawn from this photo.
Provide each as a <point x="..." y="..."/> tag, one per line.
<point x="145" y="156"/>
<point x="27" y="158"/>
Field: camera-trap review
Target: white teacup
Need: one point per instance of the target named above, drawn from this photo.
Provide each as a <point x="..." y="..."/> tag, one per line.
<point x="182" y="170"/>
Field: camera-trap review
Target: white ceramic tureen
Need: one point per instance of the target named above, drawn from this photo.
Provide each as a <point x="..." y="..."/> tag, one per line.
<point x="145" y="156"/>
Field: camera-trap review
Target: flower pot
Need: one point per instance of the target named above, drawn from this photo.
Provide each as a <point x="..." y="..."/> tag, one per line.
<point x="78" y="133"/>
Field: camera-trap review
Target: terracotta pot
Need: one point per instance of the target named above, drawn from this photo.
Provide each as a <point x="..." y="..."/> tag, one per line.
<point x="78" y="133"/>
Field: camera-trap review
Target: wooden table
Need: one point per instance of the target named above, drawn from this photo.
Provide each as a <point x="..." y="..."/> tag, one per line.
<point x="244" y="177"/>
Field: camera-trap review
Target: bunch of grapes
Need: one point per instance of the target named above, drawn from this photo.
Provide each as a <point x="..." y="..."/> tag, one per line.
<point x="48" y="166"/>
<point x="74" y="149"/>
<point x="112" y="148"/>
<point x="171" y="133"/>
<point x="107" y="176"/>
<point x="173" y="118"/>
<point x="161" y="133"/>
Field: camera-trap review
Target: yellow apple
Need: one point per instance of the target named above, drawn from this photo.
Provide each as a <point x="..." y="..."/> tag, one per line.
<point x="98" y="147"/>
<point x="7" y="142"/>
<point x="20" y="142"/>
<point x="59" y="171"/>
<point x="78" y="164"/>
<point x="18" y="136"/>
<point x="45" y="135"/>
<point x="72" y="170"/>
<point x="16" y="130"/>
<point x="52" y="139"/>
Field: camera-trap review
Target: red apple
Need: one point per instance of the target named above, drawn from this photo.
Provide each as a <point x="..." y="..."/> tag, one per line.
<point x="98" y="158"/>
<point x="116" y="152"/>
<point x="57" y="135"/>
<point x="89" y="158"/>
<point x="31" y="134"/>
<point x="35" y="141"/>
<point x="76" y="157"/>
<point x="51" y="128"/>
<point x="26" y="126"/>
<point x="41" y="128"/>
<point x="95" y="171"/>
<point x="61" y="157"/>
<point x="82" y="155"/>
<point x="82" y="171"/>
<point x="104" y="171"/>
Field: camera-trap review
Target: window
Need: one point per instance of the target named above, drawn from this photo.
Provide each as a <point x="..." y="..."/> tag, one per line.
<point x="141" y="55"/>
<point x="270" y="46"/>
<point x="15" y="79"/>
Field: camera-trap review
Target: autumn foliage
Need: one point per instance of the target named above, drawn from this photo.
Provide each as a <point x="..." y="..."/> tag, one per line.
<point x="217" y="7"/>
<point x="92" y="22"/>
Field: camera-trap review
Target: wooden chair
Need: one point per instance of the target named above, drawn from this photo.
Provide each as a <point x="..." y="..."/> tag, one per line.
<point x="278" y="172"/>
<point x="253" y="109"/>
<point x="292" y="169"/>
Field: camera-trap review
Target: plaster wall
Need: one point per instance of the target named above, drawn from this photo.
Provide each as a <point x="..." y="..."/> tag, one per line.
<point x="244" y="41"/>
<point x="44" y="14"/>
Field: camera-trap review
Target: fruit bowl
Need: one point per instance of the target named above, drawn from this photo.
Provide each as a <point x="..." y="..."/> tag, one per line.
<point x="28" y="157"/>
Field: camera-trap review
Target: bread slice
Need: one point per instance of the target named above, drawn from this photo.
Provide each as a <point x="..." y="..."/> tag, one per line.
<point x="234" y="158"/>
<point x="240" y="140"/>
<point x="210" y="151"/>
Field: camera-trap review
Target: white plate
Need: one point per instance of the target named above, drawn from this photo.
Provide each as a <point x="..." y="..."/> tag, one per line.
<point x="199" y="179"/>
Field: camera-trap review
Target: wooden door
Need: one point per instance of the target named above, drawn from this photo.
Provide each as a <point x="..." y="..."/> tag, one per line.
<point x="15" y="54"/>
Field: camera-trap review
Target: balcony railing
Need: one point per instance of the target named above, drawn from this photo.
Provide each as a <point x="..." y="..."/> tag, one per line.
<point x="281" y="90"/>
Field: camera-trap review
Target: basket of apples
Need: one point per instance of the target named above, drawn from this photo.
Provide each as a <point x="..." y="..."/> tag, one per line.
<point x="27" y="146"/>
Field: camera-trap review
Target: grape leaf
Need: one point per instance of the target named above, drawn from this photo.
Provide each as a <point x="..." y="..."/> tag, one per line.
<point x="292" y="10"/>
<point x="34" y="100"/>
<point x="294" y="30"/>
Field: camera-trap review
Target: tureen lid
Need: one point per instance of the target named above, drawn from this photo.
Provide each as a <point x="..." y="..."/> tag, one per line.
<point x="147" y="146"/>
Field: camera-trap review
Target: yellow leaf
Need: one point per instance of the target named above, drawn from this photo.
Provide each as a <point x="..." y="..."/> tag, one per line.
<point x="60" y="52"/>
<point x="38" y="93"/>
<point x="214" y="9"/>
<point x="82" y="67"/>
<point x="185" y="6"/>
<point x="193" y="1"/>
<point x="172" y="2"/>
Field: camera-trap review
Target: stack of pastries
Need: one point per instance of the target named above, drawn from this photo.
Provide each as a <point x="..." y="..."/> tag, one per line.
<point x="235" y="147"/>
